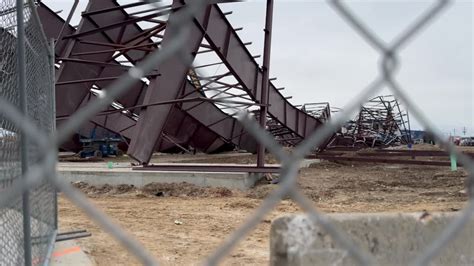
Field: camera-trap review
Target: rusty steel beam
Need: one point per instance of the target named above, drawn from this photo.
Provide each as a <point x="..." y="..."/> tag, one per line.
<point x="212" y="25"/>
<point x="112" y="26"/>
<point x="92" y="80"/>
<point x="118" y="123"/>
<point x="116" y="45"/>
<point x="114" y="8"/>
<point x="154" y="118"/>
<point x="71" y="95"/>
<point x="232" y="51"/>
<point x="166" y="105"/>
<point x="49" y="17"/>
<point x="219" y="122"/>
<point x="173" y="74"/>
<point x="52" y="23"/>
<point x="183" y="129"/>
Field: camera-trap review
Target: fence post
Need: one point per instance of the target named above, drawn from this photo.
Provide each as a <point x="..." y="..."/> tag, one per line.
<point x="53" y="119"/>
<point x="20" y="5"/>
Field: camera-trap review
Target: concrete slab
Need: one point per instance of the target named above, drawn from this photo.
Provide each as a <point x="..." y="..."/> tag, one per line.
<point x="69" y="253"/>
<point x="393" y="239"/>
<point x="98" y="174"/>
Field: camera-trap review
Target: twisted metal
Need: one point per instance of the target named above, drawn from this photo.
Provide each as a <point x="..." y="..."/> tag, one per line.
<point x="43" y="169"/>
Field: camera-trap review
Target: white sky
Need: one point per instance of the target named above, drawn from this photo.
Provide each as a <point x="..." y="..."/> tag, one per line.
<point x="318" y="57"/>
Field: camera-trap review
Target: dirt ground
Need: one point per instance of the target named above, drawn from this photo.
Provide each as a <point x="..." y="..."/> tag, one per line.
<point x="181" y="224"/>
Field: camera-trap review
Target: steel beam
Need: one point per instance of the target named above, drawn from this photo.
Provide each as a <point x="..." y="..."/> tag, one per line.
<point x="173" y="74"/>
<point x="113" y="120"/>
<point x="94" y="65"/>
<point x="222" y="37"/>
<point x="383" y="160"/>
<point x="218" y="122"/>
<point x="265" y="78"/>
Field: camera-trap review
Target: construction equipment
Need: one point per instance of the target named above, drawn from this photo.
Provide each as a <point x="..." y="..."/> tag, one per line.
<point x="100" y="147"/>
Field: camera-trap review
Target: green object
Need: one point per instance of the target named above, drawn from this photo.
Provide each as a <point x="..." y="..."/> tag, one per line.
<point x="454" y="164"/>
<point x="110" y="165"/>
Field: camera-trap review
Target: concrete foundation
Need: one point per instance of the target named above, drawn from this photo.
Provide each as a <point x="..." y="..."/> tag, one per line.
<point x="393" y="239"/>
<point x="98" y="174"/>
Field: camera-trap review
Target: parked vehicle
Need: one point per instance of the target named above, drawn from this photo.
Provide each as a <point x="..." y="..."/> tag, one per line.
<point x="468" y="141"/>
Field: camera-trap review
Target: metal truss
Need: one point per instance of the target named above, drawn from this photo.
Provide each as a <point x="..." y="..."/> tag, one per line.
<point x="174" y="107"/>
<point x="381" y="122"/>
<point x="321" y="111"/>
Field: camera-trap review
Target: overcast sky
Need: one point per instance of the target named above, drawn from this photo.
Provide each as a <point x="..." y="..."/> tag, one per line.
<point x="318" y="57"/>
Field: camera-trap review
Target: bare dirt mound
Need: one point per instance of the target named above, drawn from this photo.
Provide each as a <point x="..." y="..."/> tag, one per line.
<point x="185" y="189"/>
<point x="103" y="189"/>
<point x="155" y="189"/>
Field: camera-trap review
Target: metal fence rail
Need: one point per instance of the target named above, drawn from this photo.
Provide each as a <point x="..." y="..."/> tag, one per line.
<point x="37" y="122"/>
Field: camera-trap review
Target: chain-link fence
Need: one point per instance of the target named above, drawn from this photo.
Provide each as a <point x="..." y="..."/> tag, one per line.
<point x="42" y="145"/>
<point x="27" y="222"/>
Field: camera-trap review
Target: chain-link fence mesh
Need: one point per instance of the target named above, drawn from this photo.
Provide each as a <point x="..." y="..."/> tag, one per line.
<point x="38" y="122"/>
<point x="40" y="89"/>
<point x="39" y="105"/>
<point x="11" y="225"/>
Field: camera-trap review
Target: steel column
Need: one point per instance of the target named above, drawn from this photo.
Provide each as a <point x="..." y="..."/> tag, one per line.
<point x="265" y="78"/>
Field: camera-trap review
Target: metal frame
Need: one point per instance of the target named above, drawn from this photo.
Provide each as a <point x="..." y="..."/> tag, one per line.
<point x="168" y="95"/>
<point x="381" y="122"/>
<point x="123" y="124"/>
<point x="291" y="162"/>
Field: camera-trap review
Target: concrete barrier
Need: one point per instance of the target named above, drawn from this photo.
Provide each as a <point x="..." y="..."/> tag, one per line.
<point x="393" y="239"/>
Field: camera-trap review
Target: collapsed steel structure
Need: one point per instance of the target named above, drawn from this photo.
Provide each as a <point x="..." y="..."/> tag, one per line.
<point x="177" y="105"/>
<point x="381" y="122"/>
